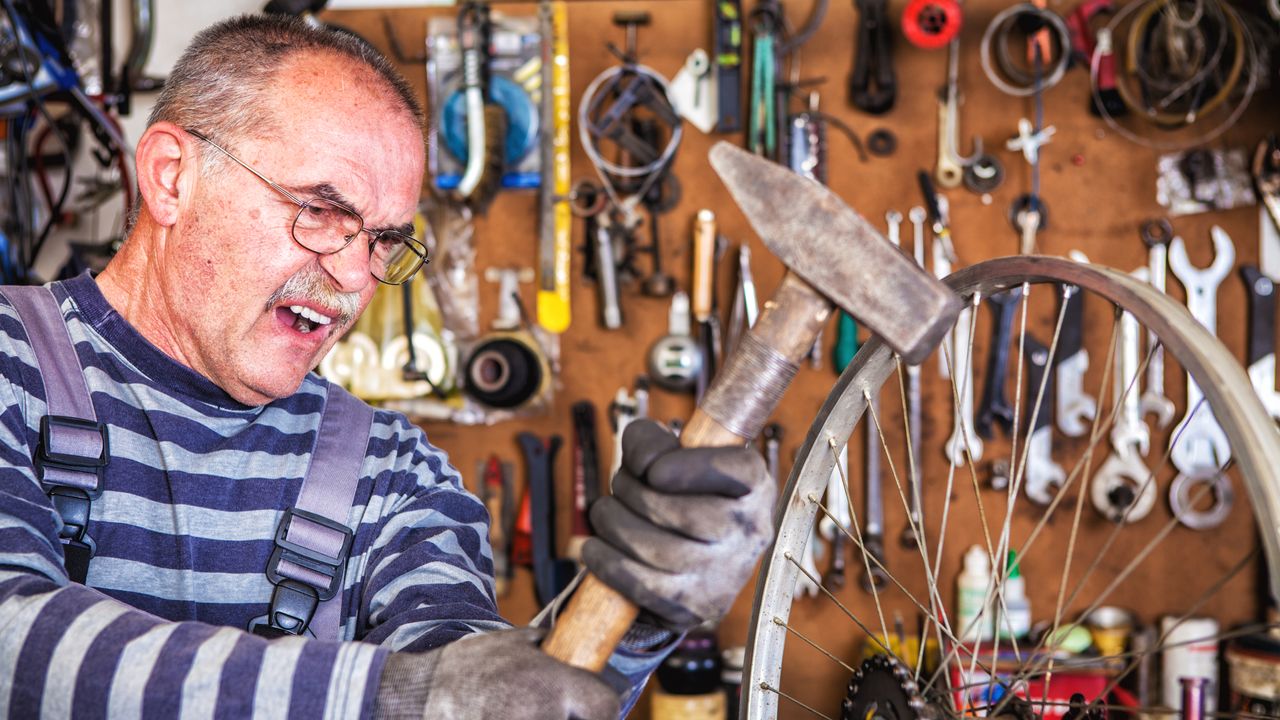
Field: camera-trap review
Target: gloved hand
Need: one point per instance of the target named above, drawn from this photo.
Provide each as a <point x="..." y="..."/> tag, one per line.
<point x="682" y="531"/>
<point x="491" y="675"/>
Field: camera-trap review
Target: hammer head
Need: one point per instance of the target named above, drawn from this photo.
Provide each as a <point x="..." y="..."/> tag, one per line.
<point x="839" y="253"/>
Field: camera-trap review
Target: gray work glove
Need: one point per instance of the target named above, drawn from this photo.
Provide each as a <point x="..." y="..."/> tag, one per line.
<point x="682" y="531"/>
<point x="499" y="674"/>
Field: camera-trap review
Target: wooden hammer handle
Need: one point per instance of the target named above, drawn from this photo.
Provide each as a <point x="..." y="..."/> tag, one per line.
<point x="597" y="617"/>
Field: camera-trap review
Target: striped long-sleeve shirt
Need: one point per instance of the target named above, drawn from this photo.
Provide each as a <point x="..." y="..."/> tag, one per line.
<point x="194" y="490"/>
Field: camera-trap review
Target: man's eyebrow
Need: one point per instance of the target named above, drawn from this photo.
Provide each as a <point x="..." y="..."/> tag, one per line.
<point x="327" y="191"/>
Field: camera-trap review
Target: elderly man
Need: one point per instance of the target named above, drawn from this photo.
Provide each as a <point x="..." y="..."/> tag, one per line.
<point x="278" y="175"/>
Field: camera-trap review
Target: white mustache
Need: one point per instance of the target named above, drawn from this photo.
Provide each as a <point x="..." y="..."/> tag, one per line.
<point x="312" y="286"/>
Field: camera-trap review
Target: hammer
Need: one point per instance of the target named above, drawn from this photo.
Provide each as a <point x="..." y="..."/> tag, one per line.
<point x="834" y="258"/>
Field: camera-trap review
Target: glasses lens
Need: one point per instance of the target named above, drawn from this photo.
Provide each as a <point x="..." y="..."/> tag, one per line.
<point x="395" y="257"/>
<point x="325" y="227"/>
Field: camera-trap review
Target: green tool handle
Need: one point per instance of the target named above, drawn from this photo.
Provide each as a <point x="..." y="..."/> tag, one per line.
<point x="846" y="341"/>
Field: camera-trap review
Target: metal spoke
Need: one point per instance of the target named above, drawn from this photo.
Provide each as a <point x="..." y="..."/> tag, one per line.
<point x="783" y="623"/>
<point x="769" y="688"/>
<point x="1085" y="580"/>
<point x="875" y="594"/>
<point x="847" y="612"/>
<point x="910" y="597"/>
<point x="1086" y="461"/>
<point x="965" y="429"/>
<point x="1121" y="576"/>
<point x="1160" y="643"/>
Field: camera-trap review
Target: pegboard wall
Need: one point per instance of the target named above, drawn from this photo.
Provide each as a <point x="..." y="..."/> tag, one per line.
<point x="1098" y="187"/>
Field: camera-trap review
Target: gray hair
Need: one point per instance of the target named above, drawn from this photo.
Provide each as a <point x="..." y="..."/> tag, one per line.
<point x="219" y="83"/>
<point x="219" y="80"/>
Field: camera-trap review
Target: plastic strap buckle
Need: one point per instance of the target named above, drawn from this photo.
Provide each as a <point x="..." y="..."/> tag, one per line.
<point x="293" y="604"/>
<point x="331" y="566"/>
<point x="47" y="458"/>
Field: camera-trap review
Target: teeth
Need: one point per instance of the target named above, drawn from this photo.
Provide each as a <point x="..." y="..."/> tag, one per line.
<point x="310" y="314"/>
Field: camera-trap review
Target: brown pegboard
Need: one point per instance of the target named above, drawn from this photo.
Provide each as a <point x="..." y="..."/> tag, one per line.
<point x="1098" y="186"/>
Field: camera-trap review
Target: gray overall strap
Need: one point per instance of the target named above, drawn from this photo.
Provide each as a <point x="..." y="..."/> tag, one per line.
<point x="313" y="542"/>
<point x="72" y="452"/>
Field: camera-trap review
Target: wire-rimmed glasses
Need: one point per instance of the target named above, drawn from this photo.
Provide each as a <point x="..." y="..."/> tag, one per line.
<point x="326" y="226"/>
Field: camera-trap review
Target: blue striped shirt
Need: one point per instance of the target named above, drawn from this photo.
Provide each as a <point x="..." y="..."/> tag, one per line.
<point x="195" y="488"/>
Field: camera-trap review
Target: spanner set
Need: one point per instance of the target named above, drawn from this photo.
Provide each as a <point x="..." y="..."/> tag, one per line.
<point x="1054" y="408"/>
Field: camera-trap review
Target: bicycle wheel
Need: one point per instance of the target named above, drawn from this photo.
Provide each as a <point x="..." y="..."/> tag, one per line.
<point x="807" y="656"/>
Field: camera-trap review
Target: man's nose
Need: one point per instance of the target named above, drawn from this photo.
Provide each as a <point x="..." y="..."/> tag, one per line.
<point x="349" y="267"/>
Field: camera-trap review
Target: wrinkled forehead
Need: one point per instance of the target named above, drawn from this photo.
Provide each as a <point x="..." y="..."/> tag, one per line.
<point x="316" y="89"/>
<point x="339" y="117"/>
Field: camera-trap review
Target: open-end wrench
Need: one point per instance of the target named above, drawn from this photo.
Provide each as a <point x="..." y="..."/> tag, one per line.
<point x="1120" y="490"/>
<point x="994" y="406"/>
<point x="622" y="411"/>
<point x="805" y="585"/>
<point x="942" y="267"/>
<point x="1075" y="407"/>
<point x="909" y="538"/>
<point x="1260" y="283"/>
<point x="964" y="438"/>
<point x="949" y="170"/>
<point x="893" y="222"/>
<point x="1156" y="234"/>
<point x="607" y="276"/>
<point x="837" y="521"/>
<point x="1042" y="475"/>
<point x="915" y="408"/>
<point x="1261" y="352"/>
<point x="875" y="577"/>
<point x="1199" y="447"/>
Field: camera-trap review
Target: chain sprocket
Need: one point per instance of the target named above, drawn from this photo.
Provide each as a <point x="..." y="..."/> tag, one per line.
<point x="882" y="689"/>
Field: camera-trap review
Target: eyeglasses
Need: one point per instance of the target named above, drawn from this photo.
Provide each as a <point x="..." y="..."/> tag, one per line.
<point x="325" y="227"/>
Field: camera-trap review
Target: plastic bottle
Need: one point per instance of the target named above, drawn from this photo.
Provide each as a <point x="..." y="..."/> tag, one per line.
<point x="731" y="663"/>
<point x="1015" y="615"/>
<point x="971" y="597"/>
<point x="689" y="682"/>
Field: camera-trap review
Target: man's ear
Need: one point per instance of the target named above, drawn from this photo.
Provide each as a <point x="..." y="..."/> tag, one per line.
<point x="167" y="163"/>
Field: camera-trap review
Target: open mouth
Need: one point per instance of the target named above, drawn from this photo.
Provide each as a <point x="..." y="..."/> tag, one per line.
<point x="302" y="318"/>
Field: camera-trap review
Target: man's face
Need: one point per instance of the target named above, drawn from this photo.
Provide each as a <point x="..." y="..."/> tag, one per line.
<point x="235" y="279"/>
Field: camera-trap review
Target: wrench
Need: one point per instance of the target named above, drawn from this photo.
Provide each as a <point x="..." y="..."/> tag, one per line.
<point x="893" y="221"/>
<point x="837" y="521"/>
<point x="949" y="170"/>
<point x="873" y="533"/>
<point x="1120" y="490"/>
<point x="772" y="435"/>
<point x="994" y="406"/>
<point x="1183" y="502"/>
<point x="1075" y="407"/>
<point x="1156" y="234"/>
<point x="1202" y="446"/>
<point x="805" y="586"/>
<point x="1262" y="338"/>
<point x="941" y="269"/>
<point x="964" y="439"/>
<point x="915" y="429"/>
<point x="1043" y="475"/>
<point x="607" y="277"/>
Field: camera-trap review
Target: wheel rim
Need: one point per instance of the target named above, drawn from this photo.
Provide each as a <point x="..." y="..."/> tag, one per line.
<point x="1223" y="381"/>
